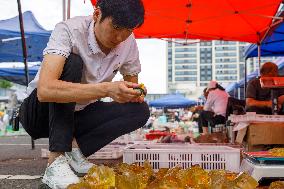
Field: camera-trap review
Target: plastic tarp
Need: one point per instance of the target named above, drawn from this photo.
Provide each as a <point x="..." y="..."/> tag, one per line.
<point x="17" y="75"/>
<point x="231" y="86"/>
<point x="233" y="20"/>
<point x="10" y="39"/>
<point x="272" y="45"/>
<point x="172" y="101"/>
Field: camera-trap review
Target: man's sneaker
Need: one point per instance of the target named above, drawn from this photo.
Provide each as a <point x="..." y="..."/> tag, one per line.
<point x="58" y="175"/>
<point x="78" y="162"/>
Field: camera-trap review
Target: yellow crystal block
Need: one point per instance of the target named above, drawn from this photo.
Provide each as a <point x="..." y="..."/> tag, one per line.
<point x="217" y="178"/>
<point x="161" y="173"/>
<point x="81" y="185"/>
<point x="245" y="181"/>
<point x="133" y="176"/>
<point x="101" y="175"/>
<point x="128" y="180"/>
<point x="276" y="185"/>
<point x="278" y="152"/>
<point x="196" y="176"/>
<point x="98" y="177"/>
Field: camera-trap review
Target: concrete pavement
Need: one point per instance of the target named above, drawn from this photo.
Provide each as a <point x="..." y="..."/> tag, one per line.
<point x="21" y="167"/>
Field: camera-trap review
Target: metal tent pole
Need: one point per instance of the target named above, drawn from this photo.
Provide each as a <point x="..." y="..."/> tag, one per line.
<point x="64" y="10"/>
<point x="259" y="59"/>
<point x="68" y="9"/>
<point x="24" y="47"/>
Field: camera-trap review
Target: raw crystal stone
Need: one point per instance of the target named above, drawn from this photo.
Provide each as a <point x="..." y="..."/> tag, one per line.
<point x="133" y="176"/>
<point x="276" y="185"/>
<point x="217" y="179"/>
<point x="100" y="176"/>
<point x="278" y="152"/>
<point x="81" y="185"/>
<point x="196" y="177"/>
<point x="245" y="181"/>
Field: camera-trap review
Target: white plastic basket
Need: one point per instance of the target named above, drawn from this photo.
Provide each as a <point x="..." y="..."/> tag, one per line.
<point x="109" y="152"/>
<point x="184" y="155"/>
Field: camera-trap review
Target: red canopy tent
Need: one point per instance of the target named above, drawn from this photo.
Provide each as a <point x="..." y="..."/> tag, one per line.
<point x="232" y="20"/>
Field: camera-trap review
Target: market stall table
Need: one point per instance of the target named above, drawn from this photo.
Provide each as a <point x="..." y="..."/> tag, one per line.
<point x="259" y="130"/>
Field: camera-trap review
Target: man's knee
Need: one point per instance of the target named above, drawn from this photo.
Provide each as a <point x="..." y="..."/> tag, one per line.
<point x="141" y="111"/>
<point x="73" y="68"/>
<point x="144" y="110"/>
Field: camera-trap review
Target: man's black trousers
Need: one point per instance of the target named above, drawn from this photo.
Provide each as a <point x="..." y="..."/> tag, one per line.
<point x="93" y="127"/>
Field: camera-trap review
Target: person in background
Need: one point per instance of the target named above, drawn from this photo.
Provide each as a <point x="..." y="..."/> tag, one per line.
<point x="151" y="120"/>
<point x="176" y="116"/>
<point x="187" y="114"/>
<point x="82" y="57"/>
<point x="2" y="125"/>
<point x="199" y="108"/>
<point x="214" y="110"/>
<point x="259" y="99"/>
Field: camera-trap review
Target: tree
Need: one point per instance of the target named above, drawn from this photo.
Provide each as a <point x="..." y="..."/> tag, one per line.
<point x="5" y="84"/>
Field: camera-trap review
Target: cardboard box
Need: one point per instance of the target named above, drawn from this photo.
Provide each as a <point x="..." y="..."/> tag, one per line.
<point x="257" y="136"/>
<point x="266" y="133"/>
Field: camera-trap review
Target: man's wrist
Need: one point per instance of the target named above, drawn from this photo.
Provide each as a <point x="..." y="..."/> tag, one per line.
<point x="105" y="87"/>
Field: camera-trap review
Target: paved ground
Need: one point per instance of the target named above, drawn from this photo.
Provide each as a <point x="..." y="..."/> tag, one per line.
<point x="20" y="166"/>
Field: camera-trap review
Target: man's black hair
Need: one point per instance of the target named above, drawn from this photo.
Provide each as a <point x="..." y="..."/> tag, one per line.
<point x="268" y="68"/>
<point x="124" y="13"/>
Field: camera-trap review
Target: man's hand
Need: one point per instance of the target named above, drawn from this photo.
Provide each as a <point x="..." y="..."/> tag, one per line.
<point x="122" y="91"/>
<point x="140" y="98"/>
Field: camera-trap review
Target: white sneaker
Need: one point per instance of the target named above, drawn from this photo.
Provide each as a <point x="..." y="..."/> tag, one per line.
<point x="59" y="175"/>
<point x="78" y="161"/>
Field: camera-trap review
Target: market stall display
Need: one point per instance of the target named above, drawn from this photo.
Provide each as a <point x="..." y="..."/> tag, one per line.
<point x="133" y="176"/>
<point x="264" y="164"/>
<point x="248" y="125"/>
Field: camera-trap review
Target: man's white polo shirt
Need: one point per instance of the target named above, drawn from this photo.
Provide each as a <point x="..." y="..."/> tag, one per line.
<point x="77" y="36"/>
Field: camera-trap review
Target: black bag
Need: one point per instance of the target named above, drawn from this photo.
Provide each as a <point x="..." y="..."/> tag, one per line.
<point x="15" y="119"/>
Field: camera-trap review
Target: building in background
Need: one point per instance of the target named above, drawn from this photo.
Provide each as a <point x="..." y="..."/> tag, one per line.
<point x="192" y="64"/>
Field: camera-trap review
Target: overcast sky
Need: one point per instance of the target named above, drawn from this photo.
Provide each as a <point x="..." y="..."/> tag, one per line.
<point x="49" y="12"/>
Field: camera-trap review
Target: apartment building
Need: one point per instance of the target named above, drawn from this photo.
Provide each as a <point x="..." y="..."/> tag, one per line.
<point x="192" y="64"/>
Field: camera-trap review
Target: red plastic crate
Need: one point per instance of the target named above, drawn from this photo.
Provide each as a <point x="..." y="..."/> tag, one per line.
<point x="152" y="135"/>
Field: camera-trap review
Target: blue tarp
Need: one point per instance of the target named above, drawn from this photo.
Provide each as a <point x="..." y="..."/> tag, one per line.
<point x="231" y="86"/>
<point x="10" y="39"/>
<point x="172" y="101"/>
<point x="17" y="75"/>
<point x="272" y="45"/>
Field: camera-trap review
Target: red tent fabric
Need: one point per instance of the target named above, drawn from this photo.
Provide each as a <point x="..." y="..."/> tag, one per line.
<point x="233" y="20"/>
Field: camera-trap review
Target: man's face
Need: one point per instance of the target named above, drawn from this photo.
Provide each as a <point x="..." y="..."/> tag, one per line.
<point x="107" y="34"/>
